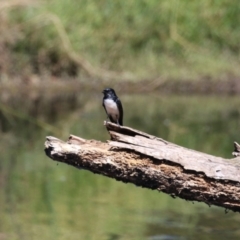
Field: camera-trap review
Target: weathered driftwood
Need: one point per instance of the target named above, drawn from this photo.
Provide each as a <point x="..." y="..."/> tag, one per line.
<point x="151" y="162"/>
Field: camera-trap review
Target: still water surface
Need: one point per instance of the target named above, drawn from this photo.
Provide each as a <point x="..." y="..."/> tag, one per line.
<point x="40" y="199"/>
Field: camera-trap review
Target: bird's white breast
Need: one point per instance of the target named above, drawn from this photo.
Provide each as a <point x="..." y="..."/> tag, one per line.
<point x="111" y="108"/>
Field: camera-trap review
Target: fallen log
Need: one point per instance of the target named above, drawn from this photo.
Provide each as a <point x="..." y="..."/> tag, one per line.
<point x="136" y="157"/>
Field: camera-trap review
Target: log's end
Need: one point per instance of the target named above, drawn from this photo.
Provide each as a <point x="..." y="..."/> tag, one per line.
<point x="56" y="148"/>
<point x="51" y="144"/>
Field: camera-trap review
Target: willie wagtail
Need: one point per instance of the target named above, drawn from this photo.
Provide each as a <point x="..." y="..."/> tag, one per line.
<point x="112" y="106"/>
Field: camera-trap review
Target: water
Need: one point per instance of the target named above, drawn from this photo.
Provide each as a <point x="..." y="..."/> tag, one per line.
<point x="40" y="199"/>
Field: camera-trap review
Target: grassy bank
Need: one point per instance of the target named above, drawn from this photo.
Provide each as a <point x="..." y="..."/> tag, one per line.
<point x="176" y="40"/>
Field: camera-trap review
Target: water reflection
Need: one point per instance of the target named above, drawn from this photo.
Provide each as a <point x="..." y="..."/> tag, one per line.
<point x="40" y="199"/>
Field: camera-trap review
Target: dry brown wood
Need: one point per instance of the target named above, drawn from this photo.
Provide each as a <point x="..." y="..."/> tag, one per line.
<point x="151" y="162"/>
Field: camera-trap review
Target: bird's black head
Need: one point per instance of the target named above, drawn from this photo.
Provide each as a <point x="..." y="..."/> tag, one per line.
<point x="109" y="92"/>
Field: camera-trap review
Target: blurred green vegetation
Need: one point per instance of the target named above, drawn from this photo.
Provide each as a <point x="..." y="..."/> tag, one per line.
<point x="183" y="40"/>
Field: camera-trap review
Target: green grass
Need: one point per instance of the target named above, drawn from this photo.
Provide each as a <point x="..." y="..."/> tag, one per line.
<point x="173" y="39"/>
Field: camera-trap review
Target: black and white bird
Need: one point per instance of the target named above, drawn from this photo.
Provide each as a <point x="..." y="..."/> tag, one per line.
<point x="112" y="106"/>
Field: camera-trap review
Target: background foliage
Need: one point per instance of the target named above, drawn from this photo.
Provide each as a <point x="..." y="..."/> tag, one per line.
<point x="171" y="38"/>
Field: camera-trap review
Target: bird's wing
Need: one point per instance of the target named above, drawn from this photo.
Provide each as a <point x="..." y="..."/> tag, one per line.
<point x="119" y="104"/>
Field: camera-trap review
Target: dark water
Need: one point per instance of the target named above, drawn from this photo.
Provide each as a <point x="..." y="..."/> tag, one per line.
<point x="40" y="199"/>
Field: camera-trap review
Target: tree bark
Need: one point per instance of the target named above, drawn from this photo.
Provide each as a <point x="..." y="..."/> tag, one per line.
<point x="151" y="162"/>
